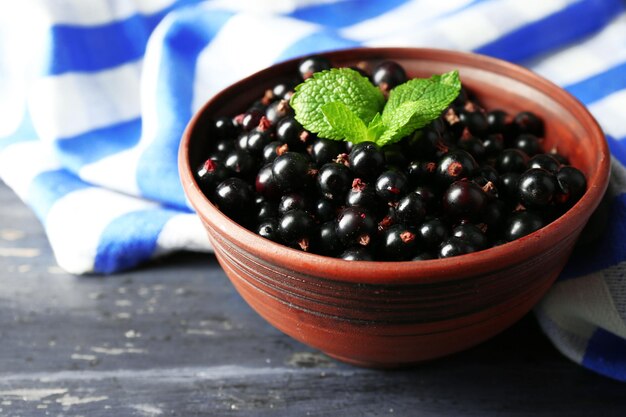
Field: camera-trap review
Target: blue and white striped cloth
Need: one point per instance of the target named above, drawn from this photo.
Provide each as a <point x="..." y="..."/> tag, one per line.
<point x="94" y="96"/>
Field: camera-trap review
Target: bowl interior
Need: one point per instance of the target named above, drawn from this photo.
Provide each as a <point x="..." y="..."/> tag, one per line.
<point x="569" y="128"/>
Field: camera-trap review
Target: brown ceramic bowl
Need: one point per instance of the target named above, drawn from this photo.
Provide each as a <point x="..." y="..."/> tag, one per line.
<point x="390" y="314"/>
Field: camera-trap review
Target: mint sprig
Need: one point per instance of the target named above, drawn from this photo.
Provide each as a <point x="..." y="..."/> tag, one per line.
<point x="341" y="104"/>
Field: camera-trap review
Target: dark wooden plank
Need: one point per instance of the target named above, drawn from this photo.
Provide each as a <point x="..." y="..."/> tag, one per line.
<point x="174" y="339"/>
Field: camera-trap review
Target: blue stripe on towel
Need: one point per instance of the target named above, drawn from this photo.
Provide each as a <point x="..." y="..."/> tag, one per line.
<point x="96" y="144"/>
<point x="345" y="13"/>
<point x="130" y="239"/>
<point x="580" y="19"/>
<point x="81" y="48"/>
<point x="600" y="85"/>
<point x="605" y="354"/>
<point x="191" y="32"/>
<point x="48" y="187"/>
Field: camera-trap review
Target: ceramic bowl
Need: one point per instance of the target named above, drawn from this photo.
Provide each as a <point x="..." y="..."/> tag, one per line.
<point x="391" y="314"/>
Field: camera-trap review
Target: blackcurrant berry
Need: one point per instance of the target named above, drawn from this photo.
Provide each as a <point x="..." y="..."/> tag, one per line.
<point x="268" y="228"/>
<point x="334" y="180"/>
<point x="235" y="198"/>
<point x="391" y="186"/>
<point x="411" y="209"/>
<point x="528" y="143"/>
<point x="455" y="165"/>
<point x="537" y="188"/>
<point x="464" y="200"/>
<point x="209" y="174"/>
<point x="324" y="150"/>
<point x="472" y="234"/>
<point x="432" y="233"/>
<point x="398" y="243"/>
<point x="356" y="254"/>
<point x="311" y="65"/>
<point x="367" y="160"/>
<point x="512" y="160"/>
<point x="292" y="171"/>
<point x="224" y="129"/>
<point x="529" y="122"/>
<point x="572" y="184"/>
<point x="296" y="228"/>
<point x="455" y="246"/>
<point x="545" y="161"/>
<point x="388" y="74"/>
<point x="355" y="226"/>
<point x="522" y="223"/>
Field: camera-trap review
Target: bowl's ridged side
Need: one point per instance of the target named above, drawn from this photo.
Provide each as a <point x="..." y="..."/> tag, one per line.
<point x="390" y="325"/>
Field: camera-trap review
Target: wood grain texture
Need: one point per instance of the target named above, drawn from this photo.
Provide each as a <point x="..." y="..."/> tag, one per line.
<point x="175" y="339"/>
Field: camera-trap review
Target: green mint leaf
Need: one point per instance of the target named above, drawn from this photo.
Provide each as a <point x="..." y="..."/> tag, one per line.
<point x="343" y="85"/>
<point x="376" y="128"/>
<point x="343" y="122"/>
<point x="416" y="103"/>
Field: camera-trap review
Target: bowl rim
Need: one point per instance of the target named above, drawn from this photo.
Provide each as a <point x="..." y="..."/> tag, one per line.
<point x="406" y="272"/>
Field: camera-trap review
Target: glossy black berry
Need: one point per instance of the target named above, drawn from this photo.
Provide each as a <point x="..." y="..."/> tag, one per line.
<point x="537" y="188"/>
<point x="398" y="243"/>
<point x="363" y="195"/>
<point x="464" y="200"/>
<point x="388" y="74"/>
<point x="432" y="233"/>
<point x="265" y="209"/>
<point x="325" y="210"/>
<point x="493" y="145"/>
<point x="475" y="121"/>
<point x="367" y="160"/>
<point x="325" y="150"/>
<point x="424" y="256"/>
<point x="251" y="119"/>
<point x="421" y="172"/>
<point x="209" y="174"/>
<point x="311" y="65"/>
<point x="292" y="201"/>
<point x="224" y="129"/>
<point x="242" y="163"/>
<point x="455" y="246"/>
<point x="572" y="184"/>
<point x="295" y="228"/>
<point x="268" y="228"/>
<point x="545" y="161"/>
<point x="512" y="160"/>
<point x="355" y="226"/>
<point x="292" y="171"/>
<point x="522" y="223"/>
<point x="291" y="132"/>
<point x="264" y="183"/>
<point x="257" y="140"/>
<point x="235" y="198"/>
<point x="327" y="242"/>
<point x="411" y="209"/>
<point x="472" y="234"/>
<point x="499" y="121"/>
<point x="391" y="186"/>
<point x="528" y="143"/>
<point x="507" y="188"/>
<point x="455" y="165"/>
<point x="278" y="110"/>
<point x="334" y="180"/>
<point x="273" y="150"/>
<point x="529" y="122"/>
<point x="356" y="254"/>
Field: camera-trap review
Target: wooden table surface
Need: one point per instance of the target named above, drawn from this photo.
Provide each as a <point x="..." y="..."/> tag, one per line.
<point x="174" y="339"/>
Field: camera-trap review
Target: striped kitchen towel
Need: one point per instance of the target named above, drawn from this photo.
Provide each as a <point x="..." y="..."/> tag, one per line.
<point x="94" y="96"/>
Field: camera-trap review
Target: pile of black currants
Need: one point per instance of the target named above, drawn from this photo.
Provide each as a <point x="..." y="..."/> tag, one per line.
<point x="470" y="180"/>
